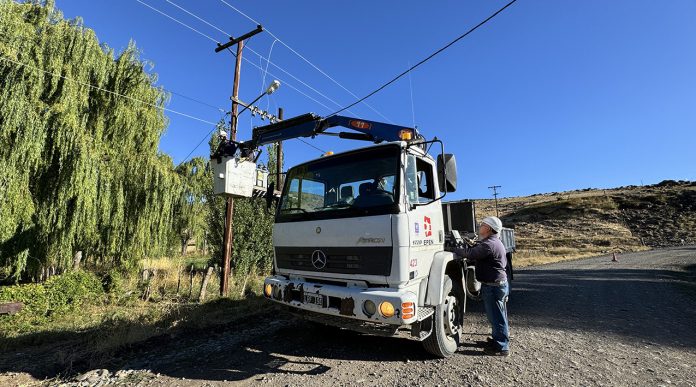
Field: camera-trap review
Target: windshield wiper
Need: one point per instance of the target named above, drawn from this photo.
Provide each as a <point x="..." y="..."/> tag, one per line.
<point x="293" y="209"/>
<point x="335" y="205"/>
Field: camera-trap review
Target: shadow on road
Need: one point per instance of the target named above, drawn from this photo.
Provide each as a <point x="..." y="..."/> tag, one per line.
<point x="297" y="348"/>
<point x="628" y="298"/>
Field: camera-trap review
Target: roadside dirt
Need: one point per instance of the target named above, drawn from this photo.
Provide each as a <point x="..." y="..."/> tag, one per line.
<point x="584" y="322"/>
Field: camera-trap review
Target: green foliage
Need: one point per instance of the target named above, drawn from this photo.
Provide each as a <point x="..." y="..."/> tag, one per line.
<point x="43" y="302"/>
<point x="79" y="167"/>
<point x="191" y="210"/>
<point x="114" y="282"/>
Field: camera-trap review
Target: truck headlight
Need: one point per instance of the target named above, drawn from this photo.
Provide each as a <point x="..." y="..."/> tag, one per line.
<point x="267" y="290"/>
<point x="386" y="309"/>
<point x="369" y="308"/>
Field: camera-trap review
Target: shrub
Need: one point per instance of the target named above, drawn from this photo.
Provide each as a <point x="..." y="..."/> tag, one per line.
<point x="42" y="302"/>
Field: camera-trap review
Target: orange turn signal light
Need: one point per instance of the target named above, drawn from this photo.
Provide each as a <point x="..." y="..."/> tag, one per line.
<point x="406" y="134"/>
<point x="408" y="310"/>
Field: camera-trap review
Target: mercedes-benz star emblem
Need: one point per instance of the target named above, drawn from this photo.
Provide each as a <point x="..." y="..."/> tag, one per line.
<point x="319" y="259"/>
<point x="318" y="230"/>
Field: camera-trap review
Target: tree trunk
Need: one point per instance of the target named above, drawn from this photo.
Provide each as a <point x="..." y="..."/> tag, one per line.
<point x="77" y="258"/>
<point x="184" y="245"/>
<point x="204" y="284"/>
<point x="241" y="294"/>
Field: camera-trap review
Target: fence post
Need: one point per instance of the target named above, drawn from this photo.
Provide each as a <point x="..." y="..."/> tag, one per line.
<point x="204" y="284"/>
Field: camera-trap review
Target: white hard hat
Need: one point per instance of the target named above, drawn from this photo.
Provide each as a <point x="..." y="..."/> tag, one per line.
<point x="494" y="223"/>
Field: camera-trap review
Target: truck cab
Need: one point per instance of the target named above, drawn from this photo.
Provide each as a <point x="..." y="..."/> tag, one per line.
<point x="359" y="243"/>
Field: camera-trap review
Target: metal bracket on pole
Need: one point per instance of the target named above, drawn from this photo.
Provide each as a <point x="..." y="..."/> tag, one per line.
<point x="256" y="110"/>
<point x="234" y="41"/>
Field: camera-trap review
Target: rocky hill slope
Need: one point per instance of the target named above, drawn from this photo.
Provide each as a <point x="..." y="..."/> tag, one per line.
<point x="573" y="224"/>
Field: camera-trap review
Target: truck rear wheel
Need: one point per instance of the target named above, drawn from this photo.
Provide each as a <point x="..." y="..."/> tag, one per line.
<point x="444" y="339"/>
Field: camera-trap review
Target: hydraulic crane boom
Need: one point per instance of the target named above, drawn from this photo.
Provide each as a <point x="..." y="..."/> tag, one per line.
<point x="310" y="125"/>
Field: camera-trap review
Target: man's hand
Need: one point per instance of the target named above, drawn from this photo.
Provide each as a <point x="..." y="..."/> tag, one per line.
<point x="469" y="242"/>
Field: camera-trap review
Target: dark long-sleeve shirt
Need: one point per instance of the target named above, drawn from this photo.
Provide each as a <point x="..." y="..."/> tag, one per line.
<point x="489" y="257"/>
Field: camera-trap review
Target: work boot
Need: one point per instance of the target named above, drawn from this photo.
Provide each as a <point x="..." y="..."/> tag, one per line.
<point x="493" y="351"/>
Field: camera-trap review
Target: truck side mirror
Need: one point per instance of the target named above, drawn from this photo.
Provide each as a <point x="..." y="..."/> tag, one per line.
<point x="447" y="172"/>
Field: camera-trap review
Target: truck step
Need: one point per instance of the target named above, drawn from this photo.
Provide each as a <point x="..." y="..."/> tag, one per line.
<point x="425" y="312"/>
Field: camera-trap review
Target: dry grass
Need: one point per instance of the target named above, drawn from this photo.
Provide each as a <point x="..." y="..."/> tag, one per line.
<point x="577" y="224"/>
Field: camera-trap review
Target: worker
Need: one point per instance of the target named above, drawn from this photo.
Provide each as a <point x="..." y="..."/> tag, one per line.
<point x="489" y="257"/>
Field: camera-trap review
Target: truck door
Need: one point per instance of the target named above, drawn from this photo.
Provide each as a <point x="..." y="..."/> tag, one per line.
<point x="424" y="214"/>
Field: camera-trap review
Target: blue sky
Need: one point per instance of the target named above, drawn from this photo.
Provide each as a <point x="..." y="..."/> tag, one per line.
<point x="548" y="96"/>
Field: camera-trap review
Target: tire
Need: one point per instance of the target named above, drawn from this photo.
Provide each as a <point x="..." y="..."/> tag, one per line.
<point x="444" y="339"/>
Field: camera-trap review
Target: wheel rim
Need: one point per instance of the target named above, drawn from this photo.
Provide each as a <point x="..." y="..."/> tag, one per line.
<point x="450" y="316"/>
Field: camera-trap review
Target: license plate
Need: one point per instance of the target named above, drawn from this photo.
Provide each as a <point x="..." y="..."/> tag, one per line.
<point x="314" y="299"/>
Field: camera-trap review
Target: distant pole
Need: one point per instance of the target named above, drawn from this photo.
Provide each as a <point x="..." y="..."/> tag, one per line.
<point x="495" y="195"/>
<point x="279" y="156"/>
<point x="229" y="212"/>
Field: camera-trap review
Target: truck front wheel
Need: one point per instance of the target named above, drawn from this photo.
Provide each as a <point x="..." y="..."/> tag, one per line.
<point x="444" y="339"/>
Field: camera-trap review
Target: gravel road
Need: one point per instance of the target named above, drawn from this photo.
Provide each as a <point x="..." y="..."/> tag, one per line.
<point x="585" y="322"/>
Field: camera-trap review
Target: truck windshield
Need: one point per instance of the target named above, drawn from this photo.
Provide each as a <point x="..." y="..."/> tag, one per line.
<point x="359" y="183"/>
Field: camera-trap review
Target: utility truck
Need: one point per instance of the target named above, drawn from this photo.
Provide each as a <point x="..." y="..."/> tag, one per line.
<point x="362" y="239"/>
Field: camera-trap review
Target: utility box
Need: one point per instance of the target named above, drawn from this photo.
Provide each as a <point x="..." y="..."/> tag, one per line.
<point x="235" y="177"/>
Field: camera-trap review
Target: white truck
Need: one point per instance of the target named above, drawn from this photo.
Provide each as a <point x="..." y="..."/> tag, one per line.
<point x="360" y="239"/>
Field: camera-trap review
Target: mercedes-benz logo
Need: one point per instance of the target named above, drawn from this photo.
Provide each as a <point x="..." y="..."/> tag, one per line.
<point x="319" y="259"/>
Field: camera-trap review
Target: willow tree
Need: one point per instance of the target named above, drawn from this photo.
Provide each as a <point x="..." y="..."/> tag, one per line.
<point x="191" y="210"/>
<point x="79" y="167"/>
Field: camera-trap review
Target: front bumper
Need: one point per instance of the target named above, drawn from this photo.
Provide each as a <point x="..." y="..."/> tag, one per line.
<point x="345" y="302"/>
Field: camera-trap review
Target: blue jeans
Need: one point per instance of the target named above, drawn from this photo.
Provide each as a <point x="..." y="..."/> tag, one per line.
<point x="494" y="298"/>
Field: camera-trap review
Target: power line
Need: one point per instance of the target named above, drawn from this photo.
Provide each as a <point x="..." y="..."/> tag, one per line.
<point x="413" y="108"/>
<point x="178" y="21"/>
<point x="250" y="62"/>
<point x="195" y="100"/>
<point x="286" y="83"/>
<point x="268" y="61"/>
<point x="107" y="91"/>
<point x="317" y="148"/>
<point x="305" y="59"/>
<point x="199" y="18"/>
<point x="426" y="59"/>
<point x="246" y="46"/>
<point x="294" y="77"/>
<point x="195" y="147"/>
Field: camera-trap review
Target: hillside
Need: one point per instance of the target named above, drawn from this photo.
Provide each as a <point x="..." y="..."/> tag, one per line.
<point x="567" y="225"/>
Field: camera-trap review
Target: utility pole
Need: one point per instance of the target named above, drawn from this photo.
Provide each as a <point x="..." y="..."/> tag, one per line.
<point x="229" y="212"/>
<point x="495" y="195"/>
<point x="279" y="156"/>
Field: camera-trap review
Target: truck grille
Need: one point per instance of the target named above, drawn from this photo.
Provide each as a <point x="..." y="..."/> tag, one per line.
<point x="341" y="260"/>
